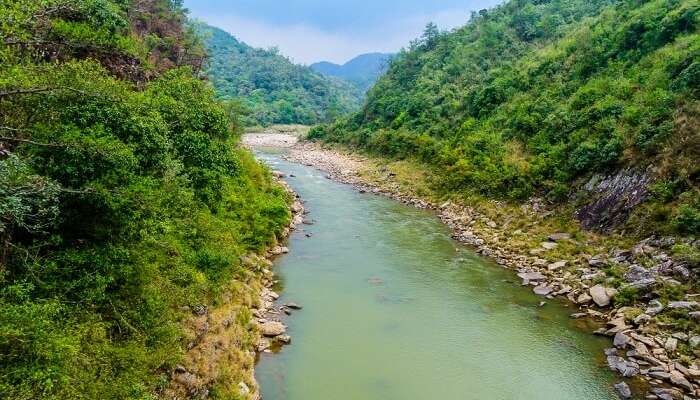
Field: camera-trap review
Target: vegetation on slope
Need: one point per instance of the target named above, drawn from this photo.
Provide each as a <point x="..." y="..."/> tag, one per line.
<point x="269" y="88"/>
<point x="362" y="71"/>
<point x="124" y="200"/>
<point x="533" y="96"/>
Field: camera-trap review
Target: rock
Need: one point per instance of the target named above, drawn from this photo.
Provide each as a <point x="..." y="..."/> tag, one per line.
<point x="531" y="277"/>
<point x="636" y="273"/>
<point x="584" y="298"/>
<point x="694" y="315"/>
<point x="694" y="341"/>
<point x="655" y="307"/>
<point x="284" y="339"/>
<point x="680" y="336"/>
<point x="623" y="390"/>
<point x="542" y="290"/>
<point x="643" y="285"/>
<point x="578" y="315"/>
<point x="243" y="388"/>
<point x="598" y="261"/>
<point x="558" y="237"/>
<point x="621" y="340"/>
<point x="601" y="295"/>
<point x="263" y="344"/>
<point x="549" y="245"/>
<point x="686" y="305"/>
<point x="642" y="319"/>
<point x="619" y="364"/>
<point x="679" y="380"/>
<point x="671" y="344"/>
<point x="273" y="328"/>
<point x="492" y="225"/>
<point x="179" y="369"/>
<point x="661" y="375"/>
<point x="293" y="306"/>
<point x="556" y="266"/>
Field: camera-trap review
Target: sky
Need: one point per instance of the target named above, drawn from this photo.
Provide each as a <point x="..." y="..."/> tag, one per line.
<point x="332" y="30"/>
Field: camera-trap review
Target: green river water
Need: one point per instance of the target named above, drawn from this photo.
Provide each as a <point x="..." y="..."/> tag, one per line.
<point x="394" y="309"/>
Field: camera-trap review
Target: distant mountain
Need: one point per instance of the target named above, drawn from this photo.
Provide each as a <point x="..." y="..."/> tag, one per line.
<point x="363" y="70"/>
<point x="272" y="89"/>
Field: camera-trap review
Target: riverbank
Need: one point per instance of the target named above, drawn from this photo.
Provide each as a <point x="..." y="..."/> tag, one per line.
<point x="637" y="289"/>
<point x="226" y="336"/>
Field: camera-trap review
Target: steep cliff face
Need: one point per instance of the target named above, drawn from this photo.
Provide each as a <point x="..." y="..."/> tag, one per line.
<point x="611" y="199"/>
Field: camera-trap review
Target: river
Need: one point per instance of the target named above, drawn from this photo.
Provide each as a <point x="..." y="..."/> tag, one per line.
<point x="394" y="309"/>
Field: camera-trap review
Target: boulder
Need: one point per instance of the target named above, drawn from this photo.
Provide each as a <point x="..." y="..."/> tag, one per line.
<point x="679" y="380"/>
<point x="623" y="390"/>
<point x="543" y="290"/>
<point x="686" y="305"/>
<point x="602" y="295"/>
<point x="655" y="307"/>
<point x="637" y="273"/>
<point x="273" y="328"/>
<point x="584" y="298"/>
<point x="532" y="276"/>
<point x="671" y="344"/>
<point x="621" y="340"/>
<point x="694" y="341"/>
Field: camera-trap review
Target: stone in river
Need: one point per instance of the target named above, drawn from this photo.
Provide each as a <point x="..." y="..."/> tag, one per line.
<point x="623" y="390"/>
<point x="532" y="276"/>
<point x="293" y="306"/>
<point x="542" y="290"/>
<point x="273" y="328"/>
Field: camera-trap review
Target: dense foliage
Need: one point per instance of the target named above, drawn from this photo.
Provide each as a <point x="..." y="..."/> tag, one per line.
<point x="533" y="95"/>
<point x="271" y="89"/>
<point x="124" y="198"/>
<point x="362" y="71"/>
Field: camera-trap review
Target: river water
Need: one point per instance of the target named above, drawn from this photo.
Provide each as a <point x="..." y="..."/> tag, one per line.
<point x="396" y="310"/>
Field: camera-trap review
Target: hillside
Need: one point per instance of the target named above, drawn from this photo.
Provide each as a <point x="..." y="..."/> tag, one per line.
<point x="271" y="89"/>
<point x="126" y="205"/>
<point x="363" y="70"/>
<point x="590" y="104"/>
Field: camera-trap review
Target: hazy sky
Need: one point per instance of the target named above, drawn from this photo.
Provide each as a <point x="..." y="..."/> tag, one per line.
<point x="332" y="30"/>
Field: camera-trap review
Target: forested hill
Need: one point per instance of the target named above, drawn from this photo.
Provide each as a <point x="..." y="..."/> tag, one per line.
<point x="272" y="89"/>
<point x="125" y="203"/>
<point x="363" y="70"/>
<point x="536" y="97"/>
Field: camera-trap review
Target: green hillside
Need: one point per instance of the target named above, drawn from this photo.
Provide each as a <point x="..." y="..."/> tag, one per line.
<point x="534" y="97"/>
<point x="125" y="202"/>
<point x="270" y="88"/>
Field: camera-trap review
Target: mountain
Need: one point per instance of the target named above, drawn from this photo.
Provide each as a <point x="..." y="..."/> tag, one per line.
<point x="363" y="70"/>
<point x="548" y="98"/>
<point x="271" y="88"/>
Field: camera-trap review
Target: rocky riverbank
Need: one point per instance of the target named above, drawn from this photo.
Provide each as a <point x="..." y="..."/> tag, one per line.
<point x="639" y="292"/>
<point x="223" y="335"/>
